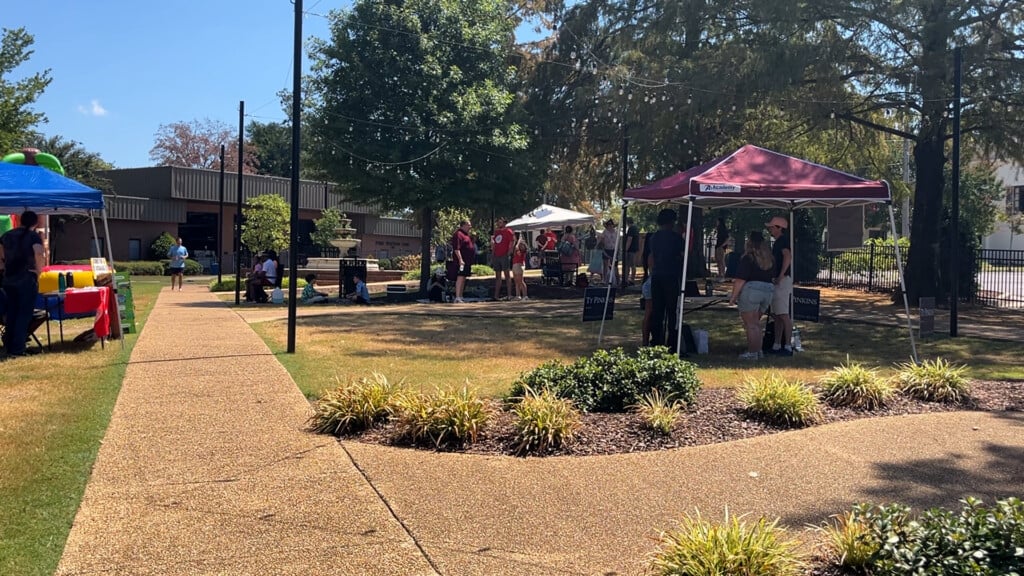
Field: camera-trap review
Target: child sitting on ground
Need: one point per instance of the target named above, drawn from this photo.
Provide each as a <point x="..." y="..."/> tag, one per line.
<point x="436" y="286"/>
<point x="310" y="295"/>
<point x="362" y="293"/>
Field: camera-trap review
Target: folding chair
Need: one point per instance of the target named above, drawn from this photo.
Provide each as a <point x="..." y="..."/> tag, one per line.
<point x="39" y="318"/>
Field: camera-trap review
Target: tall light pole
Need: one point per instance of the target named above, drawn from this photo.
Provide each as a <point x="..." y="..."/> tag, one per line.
<point x="954" y="225"/>
<point x="293" y="241"/>
<point x="220" y="220"/>
<point x="238" y="203"/>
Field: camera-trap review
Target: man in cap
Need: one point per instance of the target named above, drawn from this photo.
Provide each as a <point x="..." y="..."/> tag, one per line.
<point x="782" y="277"/>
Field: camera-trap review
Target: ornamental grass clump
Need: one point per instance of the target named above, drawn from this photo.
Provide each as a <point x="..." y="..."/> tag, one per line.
<point x="357" y="405"/>
<point x="933" y="381"/>
<point x="659" y="412"/>
<point x="772" y="398"/>
<point x="448" y="416"/>
<point x="699" y="548"/>
<point x="544" y="421"/>
<point x="854" y="385"/>
<point x="851" y="541"/>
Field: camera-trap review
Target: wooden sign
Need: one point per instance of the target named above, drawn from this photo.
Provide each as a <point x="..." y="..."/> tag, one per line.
<point x="594" y="300"/>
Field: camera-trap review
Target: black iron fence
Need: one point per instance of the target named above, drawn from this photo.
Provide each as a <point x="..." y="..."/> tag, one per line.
<point x="998" y="274"/>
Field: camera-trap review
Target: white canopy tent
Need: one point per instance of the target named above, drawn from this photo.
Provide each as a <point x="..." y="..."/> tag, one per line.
<point x="547" y="216"/>
<point x="754" y="177"/>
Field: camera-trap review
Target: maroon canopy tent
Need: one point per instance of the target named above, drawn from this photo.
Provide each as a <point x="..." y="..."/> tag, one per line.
<point x="756" y="177"/>
<point x="753" y="177"/>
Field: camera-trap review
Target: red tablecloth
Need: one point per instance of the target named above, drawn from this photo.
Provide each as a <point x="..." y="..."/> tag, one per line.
<point x="91" y="299"/>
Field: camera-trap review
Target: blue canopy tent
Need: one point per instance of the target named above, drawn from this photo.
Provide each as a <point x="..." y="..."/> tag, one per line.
<point x="45" y="192"/>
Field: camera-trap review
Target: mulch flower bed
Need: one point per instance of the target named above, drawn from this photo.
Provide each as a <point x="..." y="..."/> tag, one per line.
<point x="715" y="417"/>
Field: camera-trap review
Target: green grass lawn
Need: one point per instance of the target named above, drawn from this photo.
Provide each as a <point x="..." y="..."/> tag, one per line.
<point x="54" y="410"/>
<point x="489" y="352"/>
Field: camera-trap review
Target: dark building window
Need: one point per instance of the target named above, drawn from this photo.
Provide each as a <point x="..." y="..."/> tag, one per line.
<point x="135" y="249"/>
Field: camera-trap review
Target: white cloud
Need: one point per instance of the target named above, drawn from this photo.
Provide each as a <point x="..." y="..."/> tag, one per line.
<point x="94" y="109"/>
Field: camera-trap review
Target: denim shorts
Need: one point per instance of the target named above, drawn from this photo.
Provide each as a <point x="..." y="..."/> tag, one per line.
<point x="645" y="289"/>
<point x="755" y="296"/>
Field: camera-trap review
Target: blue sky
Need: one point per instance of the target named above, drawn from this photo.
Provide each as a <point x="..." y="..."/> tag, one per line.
<point x="122" y="68"/>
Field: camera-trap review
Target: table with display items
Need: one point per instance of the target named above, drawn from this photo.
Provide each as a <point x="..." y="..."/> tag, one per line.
<point x="92" y="301"/>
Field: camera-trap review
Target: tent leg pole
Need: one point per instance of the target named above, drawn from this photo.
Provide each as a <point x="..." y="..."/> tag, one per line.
<point x="682" y="284"/>
<point x="110" y="254"/>
<point x="903" y="286"/>
<point x="106" y="230"/>
<point x="95" y="234"/>
<point x="608" y="292"/>
<point x="792" y="272"/>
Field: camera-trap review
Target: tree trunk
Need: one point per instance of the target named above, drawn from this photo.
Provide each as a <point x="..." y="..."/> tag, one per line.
<point x="426" y="256"/>
<point x="922" y="273"/>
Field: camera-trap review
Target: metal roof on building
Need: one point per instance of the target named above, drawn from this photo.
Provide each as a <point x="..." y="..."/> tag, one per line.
<point x="176" y="183"/>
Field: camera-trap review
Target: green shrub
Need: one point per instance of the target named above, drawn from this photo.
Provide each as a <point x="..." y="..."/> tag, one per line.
<point x="853" y="384"/>
<point x="158" y="249"/>
<point x="977" y="541"/>
<point x="192" y="268"/>
<point x="611" y="380"/>
<point x="227" y="284"/>
<point x="447" y="416"/>
<point x="407" y="262"/>
<point x="933" y="381"/>
<point x="851" y="542"/>
<point x="700" y="548"/>
<point x="660" y="412"/>
<point x="479" y="270"/>
<point x="140" y="268"/>
<point x="357" y="405"/>
<point x="772" y="398"/>
<point x="544" y="421"/>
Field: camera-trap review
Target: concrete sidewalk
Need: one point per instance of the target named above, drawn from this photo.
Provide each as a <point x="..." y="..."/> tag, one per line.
<point x="206" y="469"/>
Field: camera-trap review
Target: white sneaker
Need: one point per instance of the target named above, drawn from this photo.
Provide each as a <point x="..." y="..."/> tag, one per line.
<point x="519" y="298"/>
<point x="526" y="297"/>
<point x="458" y="301"/>
<point x="749" y="356"/>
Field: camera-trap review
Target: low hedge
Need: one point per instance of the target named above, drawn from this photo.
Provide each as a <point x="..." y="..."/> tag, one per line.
<point x="228" y="284"/>
<point x="478" y="270"/>
<point x="150" y="267"/>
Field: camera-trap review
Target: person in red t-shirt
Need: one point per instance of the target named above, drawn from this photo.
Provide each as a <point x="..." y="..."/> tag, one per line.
<point x="501" y="250"/>
<point x="552" y="240"/>
<point x="464" y="252"/>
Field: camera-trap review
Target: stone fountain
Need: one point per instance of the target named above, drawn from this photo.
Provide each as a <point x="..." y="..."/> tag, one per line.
<point x="334" y="269"/>
<point x="343" y="236"/>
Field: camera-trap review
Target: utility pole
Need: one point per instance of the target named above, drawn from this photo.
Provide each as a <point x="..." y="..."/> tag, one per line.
<point x="625" y="186"/>
<point x="905" y="212"/>
<point x="220" y="220"/>
<point x="238" y="203"/>
<point x="293" y="241"/>
<point x="954" y="290"/>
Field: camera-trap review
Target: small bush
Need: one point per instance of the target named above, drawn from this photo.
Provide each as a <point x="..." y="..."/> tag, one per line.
<point x="979" y="540"/>
<point x="773" y="398"/>
<point x="407" y="262"/>
<point x="158" y="249"/>
<point x="192" y="268"/>
<point x="447" y="416"/>
<point x="478" y="270"/>
<point x="611" y="380"/>
<point x="700" y="548"/>
<point x="659" y="412"/>
<point x="357" y="405"/>
<point x="227" y="284"/>
<point x="933" y="381"/>
<point x="854" y="385"/>
<point x="544" y="421"/>
<point x="851" y="542"/>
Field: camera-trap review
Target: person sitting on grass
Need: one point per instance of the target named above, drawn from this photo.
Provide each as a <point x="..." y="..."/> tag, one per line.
<point x="436" y="286"/>
<point x="362" y="293"/>
<point x="310" y="295"/>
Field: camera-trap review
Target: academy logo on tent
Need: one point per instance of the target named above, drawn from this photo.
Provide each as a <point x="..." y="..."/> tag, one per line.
<point x="734" y="188"/>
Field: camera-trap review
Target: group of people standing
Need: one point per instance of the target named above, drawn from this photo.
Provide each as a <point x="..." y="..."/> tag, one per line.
<point x="764" y="279"/>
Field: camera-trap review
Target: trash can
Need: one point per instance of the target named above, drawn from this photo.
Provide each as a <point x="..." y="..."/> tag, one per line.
<point x="215" y="268"/>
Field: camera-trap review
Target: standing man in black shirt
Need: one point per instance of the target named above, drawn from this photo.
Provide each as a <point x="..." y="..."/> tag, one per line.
<point x="665" y="265"/>
<point x="782" y="277"/>
<point x="632" y="247"/>
<point x="21" y="260"/>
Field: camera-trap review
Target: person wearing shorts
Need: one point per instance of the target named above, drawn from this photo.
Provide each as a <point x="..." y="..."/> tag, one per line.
<point x="501" y="251"/>
<point x="752" y="290"/>
<point x="783" y="279"/>
<point x="645" y="297"/>
<point x="464" y="251"/>
<point x="177" y="254"/>
<point x="519" y="254"/>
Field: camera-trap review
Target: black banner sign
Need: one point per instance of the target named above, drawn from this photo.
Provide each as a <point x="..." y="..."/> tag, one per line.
<point x="806" y="304"/>
<point x="594" y="304"/>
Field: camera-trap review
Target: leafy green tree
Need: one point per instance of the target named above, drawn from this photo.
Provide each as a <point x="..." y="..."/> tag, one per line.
<point x="899" y="56"/>
<point x="158" y="249"/>
<point x="16" y="98"/>
<point x="273" y="147"/>
<point x="412" y="106"/>
<point x="325" y="227"/>
<point x="265" y="224"/>
<point x="78" y="163"/>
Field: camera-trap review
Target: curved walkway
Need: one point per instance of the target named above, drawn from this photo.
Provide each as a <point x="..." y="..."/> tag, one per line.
<point x="206" y="469"/>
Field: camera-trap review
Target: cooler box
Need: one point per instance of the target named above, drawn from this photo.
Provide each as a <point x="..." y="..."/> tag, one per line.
<point x="48" y="281"/>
